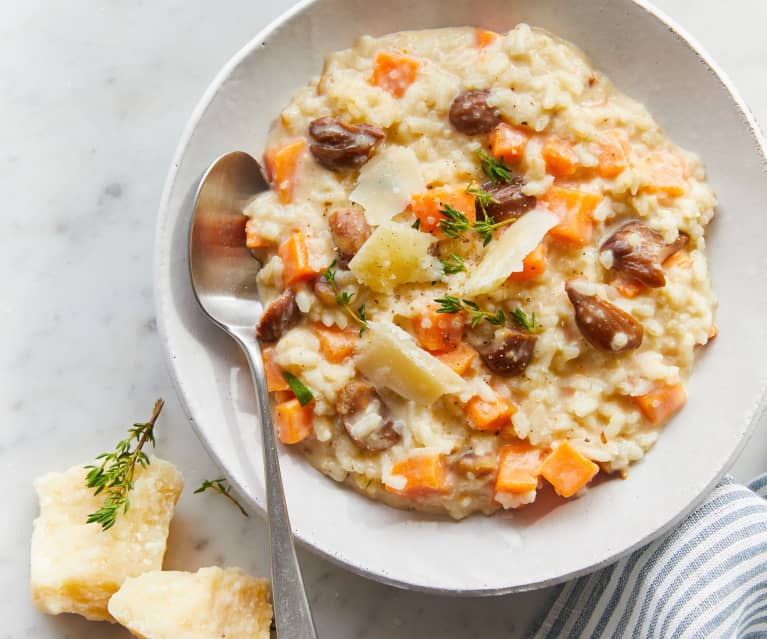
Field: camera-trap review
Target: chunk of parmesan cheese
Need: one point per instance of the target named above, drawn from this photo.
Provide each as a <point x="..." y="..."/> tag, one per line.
<point x="391" y="358"/>
<point x="506" y="254"/>
<point x="395" y="254"/>
<point x="387" y="183"/>
<point x="213" y="602"/>
<point x="76" y="567"/>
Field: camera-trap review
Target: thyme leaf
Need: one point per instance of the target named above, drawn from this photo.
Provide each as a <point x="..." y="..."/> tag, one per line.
<point x="222" y="487"/>
<point x="114" y="475"/>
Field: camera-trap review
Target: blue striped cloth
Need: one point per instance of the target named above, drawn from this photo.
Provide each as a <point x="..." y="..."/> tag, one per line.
<point x="707" y="579"/>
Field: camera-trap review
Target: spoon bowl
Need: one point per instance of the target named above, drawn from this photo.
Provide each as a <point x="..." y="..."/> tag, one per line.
<point x="223" y="271"/>
<point x="223" y="277"/>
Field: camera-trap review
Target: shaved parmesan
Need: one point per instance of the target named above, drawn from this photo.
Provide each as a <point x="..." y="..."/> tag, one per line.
<point x="395" y="254"/>
<point x="393" y="360"/>
<point x="387" y="183"/>
<point x="506" y="254"/>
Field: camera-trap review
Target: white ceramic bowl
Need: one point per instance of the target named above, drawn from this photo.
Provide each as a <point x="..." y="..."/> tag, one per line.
<point x="651" y="60"/>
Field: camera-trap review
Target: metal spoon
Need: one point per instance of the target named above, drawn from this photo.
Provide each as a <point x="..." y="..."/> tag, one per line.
<point x="223" y="278"/>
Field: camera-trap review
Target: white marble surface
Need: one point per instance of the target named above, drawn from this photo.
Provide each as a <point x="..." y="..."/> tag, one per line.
<point x="93" y="97"/>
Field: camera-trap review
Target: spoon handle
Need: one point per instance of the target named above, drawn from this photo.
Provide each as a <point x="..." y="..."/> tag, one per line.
<point x="292" y="614"/>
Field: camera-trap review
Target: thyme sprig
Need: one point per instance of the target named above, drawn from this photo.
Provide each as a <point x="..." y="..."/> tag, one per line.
<point x="452" y="304"/>
<point x="454" y="223"/>
<point x="485" y="228"/>
<point x="495" y="169"/>
<point x="222" y="487"/>
<point x="344" y="300"/>
<point x="482" y="197"/>
<point x="453" y="264"/>
<point x="521" y="319"/>
<point x="114" y="476"/>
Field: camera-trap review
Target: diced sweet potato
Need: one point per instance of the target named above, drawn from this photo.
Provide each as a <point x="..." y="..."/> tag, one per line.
<point x="438" y="332"/>
<point x="282" y="396"/>
<point x="559" y="155"/>
<point x="628" y="288"/>
<point x="490" y="415"/>
<point x="519" y="466"/>
<point x="567" y="470"/>
<point x="423" y="474"/>
<point x="336" y="344"/>
<point x="426" y="206"/>
<point x="483" y="37"/>
<point x="508" y="142"/>
<point x="613" y="157"/>
<point x="661" y="403"/>
<point x="274" y="379"/>
<point x="296" y="266"/>
<point x="575" y="209"/>
<point x="282" y="167"/>
<point x="667" y="174"/>
<point x="534" y="265"/>
<point x="394" y="72"/>
<point x="293" y="421"/>
<point x="460" y="358"/>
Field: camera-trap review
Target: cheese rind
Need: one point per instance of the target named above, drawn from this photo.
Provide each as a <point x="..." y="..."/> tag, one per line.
<point x="213" y="602"/>
<point x="75" y="566"/>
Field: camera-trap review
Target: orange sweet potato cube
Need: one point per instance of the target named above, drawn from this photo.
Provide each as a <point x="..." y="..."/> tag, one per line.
<point x="490" y="415"/>
<point x="394" y="72"/>
<point x="661" y="403"/>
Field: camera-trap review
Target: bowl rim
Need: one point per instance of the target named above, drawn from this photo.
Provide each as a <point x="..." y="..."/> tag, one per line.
<point x="160" y="249"/>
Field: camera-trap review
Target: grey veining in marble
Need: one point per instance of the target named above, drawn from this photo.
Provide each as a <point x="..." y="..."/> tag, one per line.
<point x="93" y="97"/>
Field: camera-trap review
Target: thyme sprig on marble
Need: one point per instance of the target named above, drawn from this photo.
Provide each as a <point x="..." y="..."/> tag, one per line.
<point x="222" y="487"/>
<point x="114" y="475"/>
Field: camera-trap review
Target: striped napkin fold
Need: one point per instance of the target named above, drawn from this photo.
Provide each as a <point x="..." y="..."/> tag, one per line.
<point x="707" y="579"/>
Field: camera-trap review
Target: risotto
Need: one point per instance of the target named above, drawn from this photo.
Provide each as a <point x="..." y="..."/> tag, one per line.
<point x="483" y="270"/>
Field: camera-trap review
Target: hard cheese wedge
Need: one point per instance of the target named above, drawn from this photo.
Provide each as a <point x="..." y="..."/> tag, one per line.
<point x="211" y="603"/>
<point x="395" y="254"/>
<point x="391" y="358"/>
<point x="76" y="567"/>
<point x="506" y="254"/>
